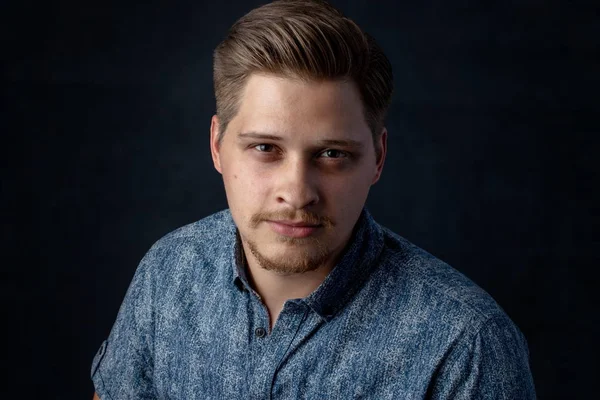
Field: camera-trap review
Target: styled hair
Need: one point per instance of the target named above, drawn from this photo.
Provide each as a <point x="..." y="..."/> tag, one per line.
<point x="305" y="39"/>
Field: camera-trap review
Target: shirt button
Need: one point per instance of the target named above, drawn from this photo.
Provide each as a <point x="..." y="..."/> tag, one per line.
<point x="260" y="332"/>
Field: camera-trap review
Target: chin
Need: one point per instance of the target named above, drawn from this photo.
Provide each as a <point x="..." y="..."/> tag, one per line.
<point x="291" y="256"/>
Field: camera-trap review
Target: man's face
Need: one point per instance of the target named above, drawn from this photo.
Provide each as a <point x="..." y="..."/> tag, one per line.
<point x="297" y="161"/>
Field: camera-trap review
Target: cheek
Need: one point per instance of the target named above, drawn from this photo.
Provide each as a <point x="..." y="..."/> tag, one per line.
<point x="349" y="189"/>
<point x="347" y="196"/>
<point x="244" y="185"/>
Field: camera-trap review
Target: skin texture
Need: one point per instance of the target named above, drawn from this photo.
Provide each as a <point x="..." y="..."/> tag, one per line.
<point x="299" y="152"/>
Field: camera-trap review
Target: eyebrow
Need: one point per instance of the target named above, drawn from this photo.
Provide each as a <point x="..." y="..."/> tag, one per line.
<point x="323" y="142"/>
<point x="257" y="135"/>
<point x="341" y="143"/>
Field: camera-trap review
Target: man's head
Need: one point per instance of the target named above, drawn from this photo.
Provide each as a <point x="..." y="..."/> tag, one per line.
<point x="299" y="133"/>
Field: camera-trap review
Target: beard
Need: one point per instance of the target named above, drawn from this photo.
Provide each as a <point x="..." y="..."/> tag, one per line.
<point x="308" y="255"/>
<point x="304" y="255"/>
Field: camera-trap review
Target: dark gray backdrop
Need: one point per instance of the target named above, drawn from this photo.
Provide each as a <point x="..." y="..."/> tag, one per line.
<point x="491" y="165"/>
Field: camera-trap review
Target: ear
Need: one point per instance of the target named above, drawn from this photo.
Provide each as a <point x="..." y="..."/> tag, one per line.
<point x="380" y="155"/>
<point x="214" y="143"/>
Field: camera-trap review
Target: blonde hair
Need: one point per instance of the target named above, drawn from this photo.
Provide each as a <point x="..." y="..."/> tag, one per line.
<point x="310" y="40"/>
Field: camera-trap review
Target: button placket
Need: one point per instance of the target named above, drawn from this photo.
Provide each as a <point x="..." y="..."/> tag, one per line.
<point x="271" y="348"/>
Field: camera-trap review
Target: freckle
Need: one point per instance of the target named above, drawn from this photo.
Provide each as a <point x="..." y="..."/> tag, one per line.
<point x="234" y="176"/>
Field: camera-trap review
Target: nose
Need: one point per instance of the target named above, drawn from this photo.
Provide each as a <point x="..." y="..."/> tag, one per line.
<point x="297" y="184"/>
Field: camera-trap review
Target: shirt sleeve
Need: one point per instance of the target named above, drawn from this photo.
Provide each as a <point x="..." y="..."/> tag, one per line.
<point x="492" y="363"/>
<point x="123" y="366"/>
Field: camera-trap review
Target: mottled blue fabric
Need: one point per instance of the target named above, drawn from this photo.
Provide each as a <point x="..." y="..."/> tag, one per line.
<point x="389" y="322"/>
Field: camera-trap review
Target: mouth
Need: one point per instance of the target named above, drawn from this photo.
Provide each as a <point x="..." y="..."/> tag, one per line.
<point x="293" y="229"/>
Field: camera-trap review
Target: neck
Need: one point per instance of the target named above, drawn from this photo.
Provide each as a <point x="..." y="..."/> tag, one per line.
<point x="276" y="288"/>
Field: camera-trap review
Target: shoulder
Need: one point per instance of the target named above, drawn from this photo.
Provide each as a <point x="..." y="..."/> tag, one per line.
<point x="211" y="227"/>
<point x="433" y="285"/>
<point x="199" y="249"/>
<point x="207" y="236"/>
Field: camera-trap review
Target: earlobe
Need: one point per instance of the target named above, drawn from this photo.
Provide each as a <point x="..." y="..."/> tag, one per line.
<point x="214" y="143"/>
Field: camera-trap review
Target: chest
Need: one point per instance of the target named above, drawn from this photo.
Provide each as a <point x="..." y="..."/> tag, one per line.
<point x="223" y="349"/>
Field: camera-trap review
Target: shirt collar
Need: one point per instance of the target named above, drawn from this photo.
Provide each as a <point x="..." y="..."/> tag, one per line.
<point x="347" y="276"/>
<point x="351" y="272"/>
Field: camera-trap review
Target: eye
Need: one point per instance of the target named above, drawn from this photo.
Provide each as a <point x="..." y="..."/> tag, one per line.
<point x="264" y="148"/>
<point x="333" y="153"/>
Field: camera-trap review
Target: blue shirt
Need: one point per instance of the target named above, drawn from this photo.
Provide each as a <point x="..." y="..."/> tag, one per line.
<point x="389" y="322"/>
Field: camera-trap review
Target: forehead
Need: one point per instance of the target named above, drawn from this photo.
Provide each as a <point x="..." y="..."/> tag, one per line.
<point x="294" y="106"/>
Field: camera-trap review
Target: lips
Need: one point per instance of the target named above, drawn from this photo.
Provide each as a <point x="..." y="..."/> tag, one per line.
<point x="293" y="229"/>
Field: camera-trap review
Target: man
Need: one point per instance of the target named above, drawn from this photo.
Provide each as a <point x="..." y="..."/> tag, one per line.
<point x="295" y="292"/>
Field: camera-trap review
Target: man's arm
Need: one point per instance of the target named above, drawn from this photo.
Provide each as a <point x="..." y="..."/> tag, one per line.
<point x="96" y="396"/>
<point x="123" y="365"/>
<point x="492" y="363"/>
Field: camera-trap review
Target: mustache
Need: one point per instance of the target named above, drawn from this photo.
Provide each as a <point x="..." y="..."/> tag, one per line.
<point x="304" y="216"/>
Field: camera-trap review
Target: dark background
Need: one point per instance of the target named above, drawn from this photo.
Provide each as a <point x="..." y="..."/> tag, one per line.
<point x="491" y="164"/>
